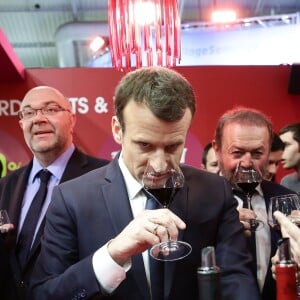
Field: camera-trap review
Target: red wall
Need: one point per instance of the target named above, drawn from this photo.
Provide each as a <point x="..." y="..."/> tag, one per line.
<point x="217" y="88"/>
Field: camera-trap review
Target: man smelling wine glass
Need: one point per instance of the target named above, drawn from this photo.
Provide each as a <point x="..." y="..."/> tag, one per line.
<point x="163" y="186"/>
<point x="98" y="225"/>
<point x="246" y="180"/>
<point x="245" y="134"/>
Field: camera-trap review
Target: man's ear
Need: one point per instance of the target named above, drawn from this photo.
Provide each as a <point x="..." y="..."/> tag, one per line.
<point x="116" y="130"/>
<point x="21" y="124"/>
<point x="215" y="147"/>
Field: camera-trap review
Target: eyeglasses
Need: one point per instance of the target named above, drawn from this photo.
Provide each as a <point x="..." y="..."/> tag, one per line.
<point x="51" y="110"/>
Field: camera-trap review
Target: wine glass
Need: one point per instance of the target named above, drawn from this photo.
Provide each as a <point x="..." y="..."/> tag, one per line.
<point x="247" y="179"/>
<point x="285" y="204"/>
<point x="162" y="187"/>
<point x="5" y="225"/>
<point x="4" y="219"/>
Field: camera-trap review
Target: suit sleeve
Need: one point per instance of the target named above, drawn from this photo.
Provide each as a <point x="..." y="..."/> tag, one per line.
<point x="238" y="281"/>
<point x="61" y="272"/>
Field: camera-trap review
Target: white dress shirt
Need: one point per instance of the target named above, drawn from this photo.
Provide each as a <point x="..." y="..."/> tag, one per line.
<point x="262" y="236"/>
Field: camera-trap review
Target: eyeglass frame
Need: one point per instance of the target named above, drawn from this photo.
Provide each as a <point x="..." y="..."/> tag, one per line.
<point x="44" y="111"/>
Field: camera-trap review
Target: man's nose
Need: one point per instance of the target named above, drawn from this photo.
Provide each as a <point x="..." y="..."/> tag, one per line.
<point x="159" y="161"/>
<point x="39" y="115"/>
<point x="247" y="161"/>
<point x="272" y="168"/>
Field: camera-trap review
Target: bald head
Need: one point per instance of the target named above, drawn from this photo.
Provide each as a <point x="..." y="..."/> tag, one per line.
<point x="45" y="95"/>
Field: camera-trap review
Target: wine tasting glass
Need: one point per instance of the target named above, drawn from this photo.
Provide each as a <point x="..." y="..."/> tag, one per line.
<point x="4" y="219"/>
<point x="285" y="204"/>
<point x="163" y="186"/>
<point x="247" y="179"/>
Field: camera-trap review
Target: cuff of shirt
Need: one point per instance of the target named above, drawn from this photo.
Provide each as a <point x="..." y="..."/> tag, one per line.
<point x="108" y="273"/>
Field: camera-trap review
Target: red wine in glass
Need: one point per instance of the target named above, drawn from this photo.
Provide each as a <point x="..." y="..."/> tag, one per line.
<point x="163" y="186"/>
<point x="163" y="195"/>
<point x="248" y="187"/>
<point x="247" y="179"/>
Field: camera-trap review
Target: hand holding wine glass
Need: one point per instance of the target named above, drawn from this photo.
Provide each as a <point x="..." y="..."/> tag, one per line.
<point x="162" y="186"/>
<point x="5" y="224"/>
<point x="247" y="179"/>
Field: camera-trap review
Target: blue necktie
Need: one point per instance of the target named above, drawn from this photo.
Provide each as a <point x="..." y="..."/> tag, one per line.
<point x="29" y="226"/>
<point x="156" y="266"/>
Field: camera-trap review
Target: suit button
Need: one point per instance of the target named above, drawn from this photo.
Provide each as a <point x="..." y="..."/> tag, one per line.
<point x="83" y="294"/>
<point x="22" y="284"/>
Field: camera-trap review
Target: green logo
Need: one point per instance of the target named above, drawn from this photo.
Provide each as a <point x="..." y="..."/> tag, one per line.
<point x="7" y="166"/>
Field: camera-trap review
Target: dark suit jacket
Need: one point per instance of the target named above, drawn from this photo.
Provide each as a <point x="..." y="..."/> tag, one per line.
<point x="7" y="288"/>
<point x="87" y="212"/>
<point x="12" y="188"/>
<point x="271" y="189"/>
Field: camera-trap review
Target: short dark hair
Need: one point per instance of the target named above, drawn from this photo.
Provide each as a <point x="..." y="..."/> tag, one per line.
<point x="164" y="91"/>
<point x="277" y="143"/>
<point x="242" y="115"/>
<point x="205" y="152"/>
<point x="294" y="128"/>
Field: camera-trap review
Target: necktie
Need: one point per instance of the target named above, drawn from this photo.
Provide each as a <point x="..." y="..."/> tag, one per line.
<point x="156" y="266"/>
<point x="29" y="226"/>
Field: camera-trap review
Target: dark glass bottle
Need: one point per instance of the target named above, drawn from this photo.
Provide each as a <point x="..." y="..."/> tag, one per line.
<point x="208" y="274"/>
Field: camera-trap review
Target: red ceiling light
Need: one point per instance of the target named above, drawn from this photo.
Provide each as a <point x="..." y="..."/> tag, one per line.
<point x="144" y="33"/>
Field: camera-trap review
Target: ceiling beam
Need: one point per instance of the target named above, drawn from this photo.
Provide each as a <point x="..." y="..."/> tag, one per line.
<point x="11" y="67"/>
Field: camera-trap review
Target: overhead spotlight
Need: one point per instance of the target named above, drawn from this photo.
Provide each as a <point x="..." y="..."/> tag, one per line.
<point x="98" y="43"/>
<point x="223" y="16"/>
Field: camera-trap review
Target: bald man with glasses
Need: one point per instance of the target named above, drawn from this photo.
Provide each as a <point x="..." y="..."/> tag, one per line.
<point x="47" y="122"/>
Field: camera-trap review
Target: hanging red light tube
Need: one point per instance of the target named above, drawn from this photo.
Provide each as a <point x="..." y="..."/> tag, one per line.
<point x="144" y="33"/>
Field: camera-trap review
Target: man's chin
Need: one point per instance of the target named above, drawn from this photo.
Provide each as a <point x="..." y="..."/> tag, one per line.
<point x="41" y="148"/>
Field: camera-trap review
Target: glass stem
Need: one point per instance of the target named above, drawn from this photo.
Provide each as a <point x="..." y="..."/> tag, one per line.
<point x="249" y="201"/>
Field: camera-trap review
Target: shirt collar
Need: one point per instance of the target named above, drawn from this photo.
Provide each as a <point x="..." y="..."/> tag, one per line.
<point x="57" y="167"/>
<point x="259" y="190"/>
<point x="132" y="185"/>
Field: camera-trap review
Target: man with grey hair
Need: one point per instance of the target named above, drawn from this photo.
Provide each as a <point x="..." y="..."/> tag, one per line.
<point x="243" y="136"/>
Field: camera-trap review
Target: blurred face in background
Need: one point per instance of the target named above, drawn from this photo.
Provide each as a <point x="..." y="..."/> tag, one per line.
<point x="275" y="158"/>
<point x="291" y="153"/>
<point x="211" y="162"/>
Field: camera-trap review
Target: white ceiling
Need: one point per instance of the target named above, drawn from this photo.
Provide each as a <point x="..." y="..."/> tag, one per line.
<point x="30" y="25"/>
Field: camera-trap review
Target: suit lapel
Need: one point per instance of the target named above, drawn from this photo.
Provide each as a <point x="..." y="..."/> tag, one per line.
<point x="119" y="209"/>
<point x="18" y="193"/>
<point x="271" y="189"/>
<point x="74" y="168"/>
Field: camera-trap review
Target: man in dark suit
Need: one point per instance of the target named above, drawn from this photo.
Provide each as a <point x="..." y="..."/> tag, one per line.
<point x="244" y="136"/>
<point x="98" y="231"/>
<point x="47" y="123"/>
